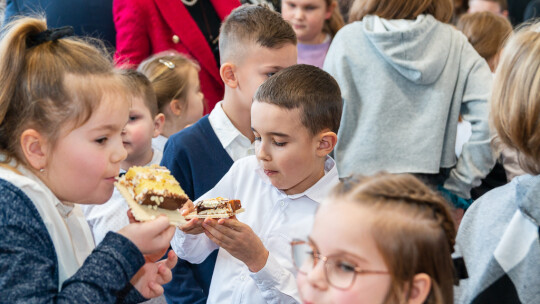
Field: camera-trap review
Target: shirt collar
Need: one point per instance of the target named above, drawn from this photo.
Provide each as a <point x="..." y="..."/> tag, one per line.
<point x="319" y="190"/>
<point x="223" y="127"/>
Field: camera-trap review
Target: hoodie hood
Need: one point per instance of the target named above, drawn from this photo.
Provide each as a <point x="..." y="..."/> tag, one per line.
<point x="410" y="49"/>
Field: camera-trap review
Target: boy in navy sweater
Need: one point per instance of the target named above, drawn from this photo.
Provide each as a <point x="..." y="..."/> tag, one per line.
<point x="255" y="43"/>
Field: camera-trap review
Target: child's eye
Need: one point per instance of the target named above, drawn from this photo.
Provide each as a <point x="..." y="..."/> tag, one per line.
<point x="345" y="266"/>
<point x="257" y="138"/>
<point x="279" y="144"/>
<point x="101" y="140"/>
<point x="270" y="74"/>
<point x="133" y="118"/>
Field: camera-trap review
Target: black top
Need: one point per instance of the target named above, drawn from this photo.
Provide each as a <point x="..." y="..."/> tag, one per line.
<point x="208" y="21"/>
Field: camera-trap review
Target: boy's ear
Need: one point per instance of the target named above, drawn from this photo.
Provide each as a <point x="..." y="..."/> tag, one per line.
<point x="421" y="286"/>
<point x="34" y="147"/>
<point x="176" y="107"/>
<point x="227" y="73"/>
<point x="327" y="141"/>
<point x="159" y="122"/>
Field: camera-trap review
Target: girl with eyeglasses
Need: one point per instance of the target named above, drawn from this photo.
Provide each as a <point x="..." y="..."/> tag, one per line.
<point x="381" y="239"/>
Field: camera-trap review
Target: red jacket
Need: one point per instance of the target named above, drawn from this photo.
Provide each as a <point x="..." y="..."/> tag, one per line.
<point x="146" y="27"/>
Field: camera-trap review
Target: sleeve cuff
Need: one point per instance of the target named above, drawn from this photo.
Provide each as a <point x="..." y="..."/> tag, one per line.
<point x="269" y="275"/>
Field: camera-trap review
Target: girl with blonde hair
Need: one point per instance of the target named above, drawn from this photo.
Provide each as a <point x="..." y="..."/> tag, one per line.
<point x="498" y="236"/>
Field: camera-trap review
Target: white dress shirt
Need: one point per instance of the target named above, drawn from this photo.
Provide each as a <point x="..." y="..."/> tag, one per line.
<point x="276" y="218"/>
<point x="235" y="143"/>
<point x="111" y="216"/>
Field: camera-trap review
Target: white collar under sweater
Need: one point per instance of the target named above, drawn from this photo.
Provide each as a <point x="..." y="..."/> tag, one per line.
<point x="65" y="222"/>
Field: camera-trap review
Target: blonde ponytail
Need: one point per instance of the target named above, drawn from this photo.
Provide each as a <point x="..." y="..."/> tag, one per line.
<point x="34" y="90"/>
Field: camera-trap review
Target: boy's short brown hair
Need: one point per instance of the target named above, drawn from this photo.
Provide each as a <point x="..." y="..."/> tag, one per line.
<point x="140" y="87"/>
<point x="253" y="24"/>
<point x="309" y="89"/>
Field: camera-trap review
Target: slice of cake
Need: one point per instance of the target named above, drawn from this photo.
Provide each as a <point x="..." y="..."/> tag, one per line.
<point x="218" y="207"/>
<point x="151" y="191"/>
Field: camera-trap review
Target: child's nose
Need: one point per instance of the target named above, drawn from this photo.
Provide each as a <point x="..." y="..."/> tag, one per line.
<point x="317" y="276"/>
<point x="119" y="153"/>
<point x="261" y="153"/>
<point x="298" y="13"/>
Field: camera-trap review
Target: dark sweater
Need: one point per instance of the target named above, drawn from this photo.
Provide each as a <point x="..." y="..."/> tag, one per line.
<point x="198" y="161"/>
<point x="29" y="267"/>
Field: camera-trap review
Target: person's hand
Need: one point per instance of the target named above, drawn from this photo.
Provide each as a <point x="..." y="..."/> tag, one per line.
<point x="152" y="237"/>
<point x="193" y="226"/>
<point x="239" y="240"/>
<point x="152" y="275"/>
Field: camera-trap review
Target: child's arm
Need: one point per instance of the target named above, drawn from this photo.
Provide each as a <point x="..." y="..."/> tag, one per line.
<point x="276" y="283"/>
<point x="476" y="159"/>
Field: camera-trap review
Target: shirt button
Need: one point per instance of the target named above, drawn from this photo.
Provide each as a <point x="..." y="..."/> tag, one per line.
<point x="242" y="278"/>
<point x="282" y="203"/>
<point x="175" y="39"/>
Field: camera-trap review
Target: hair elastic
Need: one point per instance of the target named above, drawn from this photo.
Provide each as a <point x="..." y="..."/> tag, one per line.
<point x="52" y="34"/>
<point x="167" y="63"/>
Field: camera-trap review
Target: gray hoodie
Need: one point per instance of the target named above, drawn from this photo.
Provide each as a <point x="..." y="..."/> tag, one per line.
<point x="403" y="91"/>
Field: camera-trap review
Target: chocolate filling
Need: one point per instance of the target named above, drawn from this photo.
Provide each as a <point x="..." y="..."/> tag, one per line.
<point x="169" y="203"/>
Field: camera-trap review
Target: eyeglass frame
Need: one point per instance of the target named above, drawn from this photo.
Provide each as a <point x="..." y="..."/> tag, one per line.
<point x="357" y="269"/>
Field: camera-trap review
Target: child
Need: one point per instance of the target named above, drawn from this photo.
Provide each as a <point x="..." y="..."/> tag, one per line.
<point x="294" y="117"/>
<point x="315" y="23"/>
<point x="175" y="80"/>
<point x="381" y="239"/>
<point x="255" y="43"/>
<point x="144" y="124"/>
<point x="498" y="236"/>
<point x="499" y="7"/>
<point x="62" y="109"/>
<point x="487" y="33"/>
<point x="407" y="79"/>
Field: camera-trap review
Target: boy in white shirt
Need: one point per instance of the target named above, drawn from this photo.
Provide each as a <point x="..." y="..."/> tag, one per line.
<point x="295" y="116"/>
<point x="144" y="124"/>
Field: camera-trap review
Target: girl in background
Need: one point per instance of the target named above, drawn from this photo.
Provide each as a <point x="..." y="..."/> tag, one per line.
<point x="62" y="110"/>
<point x="498" y="236"/>
<point x="315" y="23"/>
<point x="405" y="77"/>
<point x="381" y="239"/>
<point x="175" y="80"/>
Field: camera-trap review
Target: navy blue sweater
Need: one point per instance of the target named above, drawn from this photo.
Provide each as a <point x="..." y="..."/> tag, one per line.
<point x="29" y="267"/>
<point x="198" y="161"/>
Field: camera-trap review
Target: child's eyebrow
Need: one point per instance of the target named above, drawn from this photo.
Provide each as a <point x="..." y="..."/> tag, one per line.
<point x="278" y="134"/>
<point x="106" y="128"/>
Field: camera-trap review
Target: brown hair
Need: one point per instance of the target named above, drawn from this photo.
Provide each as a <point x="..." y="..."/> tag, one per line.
<point x="515" y="101"/>
<point x="413" y="229"/>
<point x="333" y="24"/>
<point x="308" y="88"/>
<point x="48" y="85"/>
<point x="253" y="24"/>
<point x="486" y="32"/>
<point x="140" y="87"/>
<point x="169" y="74"/>
<point x="442" y="10"/>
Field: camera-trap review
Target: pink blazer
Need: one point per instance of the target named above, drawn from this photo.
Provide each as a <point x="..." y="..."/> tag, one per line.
<point x="146" y="27"/>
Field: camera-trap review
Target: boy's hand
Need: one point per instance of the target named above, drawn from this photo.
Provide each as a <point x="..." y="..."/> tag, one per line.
<point x="239" y="240"/>
<point x="193" y="226"/>
<point x="152" y="275"/>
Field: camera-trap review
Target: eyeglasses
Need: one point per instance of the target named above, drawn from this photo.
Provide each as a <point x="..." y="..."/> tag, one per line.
<point x="339" y="272"/>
